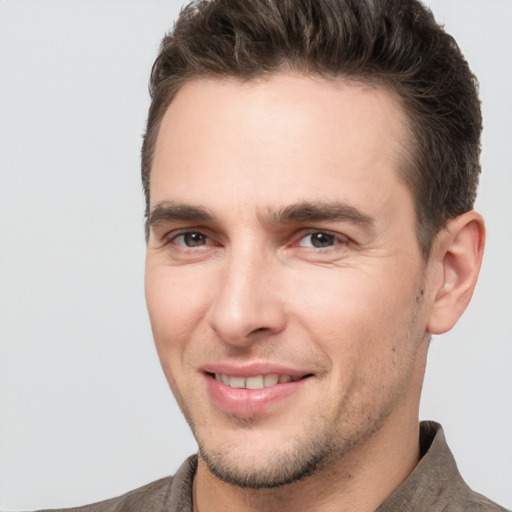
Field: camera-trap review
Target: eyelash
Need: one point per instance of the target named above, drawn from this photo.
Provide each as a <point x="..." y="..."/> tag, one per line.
<point x="333" y="240"/>
<point x="183" y="234"/>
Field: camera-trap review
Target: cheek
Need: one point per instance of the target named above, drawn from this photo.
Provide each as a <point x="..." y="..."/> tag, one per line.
<point x="356" y="313"/>
<point x="340" y="294"/>
<point x="365" y="328"/>
<point x="176" y="303"/>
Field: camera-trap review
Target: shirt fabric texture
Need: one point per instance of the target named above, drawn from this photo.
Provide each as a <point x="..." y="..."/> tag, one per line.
<point x="434" y="485"/>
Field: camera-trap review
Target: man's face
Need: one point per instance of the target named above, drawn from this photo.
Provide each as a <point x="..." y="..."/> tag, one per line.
<point x="283" y="257"/>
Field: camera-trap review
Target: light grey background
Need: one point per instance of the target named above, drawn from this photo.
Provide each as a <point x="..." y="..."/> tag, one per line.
<point x="85" y="412"/>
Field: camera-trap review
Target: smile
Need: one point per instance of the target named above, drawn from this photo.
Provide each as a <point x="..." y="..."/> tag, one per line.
<point x="261" y="388"/>
<point x="254" y="382"/>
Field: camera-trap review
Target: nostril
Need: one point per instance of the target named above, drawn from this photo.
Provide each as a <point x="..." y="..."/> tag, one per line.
<point x="260" y="329"/>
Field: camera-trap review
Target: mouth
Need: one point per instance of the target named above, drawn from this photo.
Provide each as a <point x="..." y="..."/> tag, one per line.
<point x="254" y="392"/>
<point x="255" y="381"/>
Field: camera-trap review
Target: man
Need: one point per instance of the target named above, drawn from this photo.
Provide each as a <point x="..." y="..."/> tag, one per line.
<point x="310" y="169"/>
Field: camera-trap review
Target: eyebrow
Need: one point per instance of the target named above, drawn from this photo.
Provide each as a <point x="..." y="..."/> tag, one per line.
<point x="167" y="211"/>
<point x="320" y="211"/>
<point x="294" y="213"/>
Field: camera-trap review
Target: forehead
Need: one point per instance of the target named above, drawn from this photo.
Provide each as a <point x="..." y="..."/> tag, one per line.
<point x="283" y="139"/>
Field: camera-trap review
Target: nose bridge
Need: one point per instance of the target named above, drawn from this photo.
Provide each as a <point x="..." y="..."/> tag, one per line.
<point x="245" y="301"/>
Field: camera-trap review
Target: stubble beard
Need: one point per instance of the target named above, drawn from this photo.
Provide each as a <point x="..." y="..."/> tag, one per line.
<point x="282" y="467"/>
<point x="320" y="447"/>
<point x="323" y="443"/>
<point x="325" y="440"/>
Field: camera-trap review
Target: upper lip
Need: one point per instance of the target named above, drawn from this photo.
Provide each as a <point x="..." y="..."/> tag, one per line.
<point x="253" y="369"/>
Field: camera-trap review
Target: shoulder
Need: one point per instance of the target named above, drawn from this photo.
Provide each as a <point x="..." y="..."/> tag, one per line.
<point x="454" y="495"/>
<point x="435" y="484"/>
<point x="169" y="493"/>
<point x="151" y="496"/>
<point x="471" y="501"/>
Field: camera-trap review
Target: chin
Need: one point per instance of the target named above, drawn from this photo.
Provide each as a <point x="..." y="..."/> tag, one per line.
<point x="258" y="459"/>
<point x="264" y="470"/>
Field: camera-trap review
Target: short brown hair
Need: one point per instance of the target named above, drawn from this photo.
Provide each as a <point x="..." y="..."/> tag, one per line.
<point x="395" y="43"/>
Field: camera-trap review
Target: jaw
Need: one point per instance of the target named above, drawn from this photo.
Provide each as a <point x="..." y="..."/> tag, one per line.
<point x="240" y="460"/>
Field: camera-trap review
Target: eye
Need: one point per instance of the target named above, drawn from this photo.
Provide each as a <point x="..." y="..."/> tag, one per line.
<point x="320" y="240"/>
<point x="190" y="239"/>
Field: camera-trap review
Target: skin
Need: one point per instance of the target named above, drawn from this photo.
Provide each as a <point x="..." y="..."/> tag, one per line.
<point x="247" y="282"/>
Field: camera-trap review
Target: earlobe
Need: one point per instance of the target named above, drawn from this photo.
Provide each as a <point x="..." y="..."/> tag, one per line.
<point x="458" y="254"/>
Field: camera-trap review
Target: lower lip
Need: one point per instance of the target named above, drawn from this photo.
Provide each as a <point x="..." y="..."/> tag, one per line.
<point x="248" y="402"/>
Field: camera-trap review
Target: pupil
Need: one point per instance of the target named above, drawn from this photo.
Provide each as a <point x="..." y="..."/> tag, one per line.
<point x="322" y="240"/>
<point x="193" y="239"/>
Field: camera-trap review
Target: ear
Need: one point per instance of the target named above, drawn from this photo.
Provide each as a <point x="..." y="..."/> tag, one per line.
<point x="457" y="257"/>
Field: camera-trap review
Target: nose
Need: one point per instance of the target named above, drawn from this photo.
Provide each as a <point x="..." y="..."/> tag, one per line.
<point x="247" y="305"/>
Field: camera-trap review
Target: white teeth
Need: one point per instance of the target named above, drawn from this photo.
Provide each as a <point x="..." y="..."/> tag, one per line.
<point x="271" y="380"/>
<point x="256" y="382"/>
<point x="237" y="382"/>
